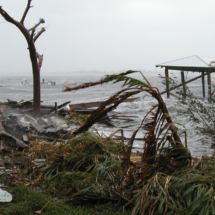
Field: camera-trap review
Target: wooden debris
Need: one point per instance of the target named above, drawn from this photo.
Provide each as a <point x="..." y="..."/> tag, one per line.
<point x="58" y="107"/>
<point x="12" y="141"/>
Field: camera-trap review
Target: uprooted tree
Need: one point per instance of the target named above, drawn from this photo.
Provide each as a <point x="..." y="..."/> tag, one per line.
<point x="31" y="35"/>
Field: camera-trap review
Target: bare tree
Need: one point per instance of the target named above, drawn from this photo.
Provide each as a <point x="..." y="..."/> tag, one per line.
<point x="31" y="35"/>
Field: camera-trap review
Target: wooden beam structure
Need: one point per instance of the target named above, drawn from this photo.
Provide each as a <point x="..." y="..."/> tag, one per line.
<point x="208" y="73"/>
<point x="194" y="63"/>
<point x="193" y="79"/>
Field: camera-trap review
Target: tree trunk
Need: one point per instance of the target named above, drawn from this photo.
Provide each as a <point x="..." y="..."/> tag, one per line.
<point x="36" y="78"/>
<point x="36" y="59"/>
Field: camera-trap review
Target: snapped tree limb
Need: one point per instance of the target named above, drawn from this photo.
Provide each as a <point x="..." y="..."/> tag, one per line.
<point x="39" y="33"/>
<point x="41" y="21"/>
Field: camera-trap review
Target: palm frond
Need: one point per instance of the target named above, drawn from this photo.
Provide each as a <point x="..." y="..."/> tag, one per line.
<point x="90" y="84"/>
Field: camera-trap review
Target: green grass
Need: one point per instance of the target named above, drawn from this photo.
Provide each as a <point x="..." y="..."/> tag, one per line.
<point x="27" y="201"/>
<point x="185" y="192"/>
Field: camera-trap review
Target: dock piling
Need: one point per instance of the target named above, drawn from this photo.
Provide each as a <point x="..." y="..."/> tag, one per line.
<point x="167" y="82"/>
<point x="209" y="87"/>
<point x="203" y="84"/>
<point x="183" y="83"/>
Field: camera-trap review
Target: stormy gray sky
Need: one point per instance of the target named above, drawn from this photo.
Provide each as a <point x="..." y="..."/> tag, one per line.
<point x="108" y="35"/>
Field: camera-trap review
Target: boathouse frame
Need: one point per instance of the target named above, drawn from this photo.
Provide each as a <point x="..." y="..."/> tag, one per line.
<point x="195" y="63"/>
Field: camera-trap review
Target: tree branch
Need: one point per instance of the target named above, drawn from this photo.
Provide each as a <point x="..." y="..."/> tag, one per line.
<point x="39" y="33"/>
<point x="26" y="11"/>
<point x="6" y="16"/>
<point x="40" y="22"/>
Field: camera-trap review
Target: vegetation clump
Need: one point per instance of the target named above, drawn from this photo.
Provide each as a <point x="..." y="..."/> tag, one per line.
<point x="85" y="165"/>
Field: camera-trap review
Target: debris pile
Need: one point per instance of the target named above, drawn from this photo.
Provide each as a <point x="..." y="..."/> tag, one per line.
<point x="84" y="165"/>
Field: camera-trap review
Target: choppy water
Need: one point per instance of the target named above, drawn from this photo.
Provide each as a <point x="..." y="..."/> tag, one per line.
<point x="13" y="88"/>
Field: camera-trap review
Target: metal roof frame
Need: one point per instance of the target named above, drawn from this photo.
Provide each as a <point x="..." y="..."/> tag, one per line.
<point x="193" y="63"/>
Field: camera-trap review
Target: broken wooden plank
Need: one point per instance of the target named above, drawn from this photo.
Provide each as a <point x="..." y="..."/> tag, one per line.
<point x="60" y="106"/>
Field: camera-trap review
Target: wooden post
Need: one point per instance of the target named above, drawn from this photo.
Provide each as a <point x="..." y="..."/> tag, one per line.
<point x="167" y="82"/>
<point x="203" y="84"/>
<point x="183" y="82"/>
<point x="209" y="87"/>
<point x="55" y="107"/>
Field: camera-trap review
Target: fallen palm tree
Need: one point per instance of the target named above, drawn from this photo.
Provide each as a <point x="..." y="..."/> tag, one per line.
<point x="160" y="129"/>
